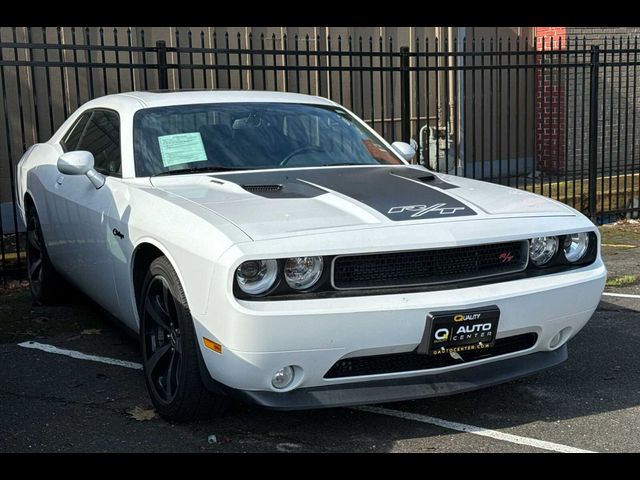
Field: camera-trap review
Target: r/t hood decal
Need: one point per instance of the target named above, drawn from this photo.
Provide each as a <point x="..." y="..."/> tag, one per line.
<point x="399" y="193"/>
<point x="422" y="210"/>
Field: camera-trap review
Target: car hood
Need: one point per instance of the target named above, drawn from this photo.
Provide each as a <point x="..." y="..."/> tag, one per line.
<point x="285" y="202"/>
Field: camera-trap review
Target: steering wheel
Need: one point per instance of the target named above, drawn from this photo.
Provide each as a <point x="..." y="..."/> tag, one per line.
<point x="298" y="151"/>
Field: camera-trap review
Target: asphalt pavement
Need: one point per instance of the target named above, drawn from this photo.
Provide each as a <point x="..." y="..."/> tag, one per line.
<point x="52" y="402"/>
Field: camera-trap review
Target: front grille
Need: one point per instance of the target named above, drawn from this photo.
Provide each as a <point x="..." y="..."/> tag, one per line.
<point x="411" y="361"/>
<point x="425" y="267"/>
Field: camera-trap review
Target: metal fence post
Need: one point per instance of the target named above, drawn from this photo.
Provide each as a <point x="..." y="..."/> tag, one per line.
<point x="593" y="130"/>
<point x="405" y="95"/>
<point x="163" y="71"/>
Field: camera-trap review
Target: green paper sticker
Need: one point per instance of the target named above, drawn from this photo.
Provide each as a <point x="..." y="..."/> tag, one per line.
<point x="182" y="148"/>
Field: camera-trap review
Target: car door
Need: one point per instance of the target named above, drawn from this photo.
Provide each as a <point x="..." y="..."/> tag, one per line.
<point x="84" y="243"/>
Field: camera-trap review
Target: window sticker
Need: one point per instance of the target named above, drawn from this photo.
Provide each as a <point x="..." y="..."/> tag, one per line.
<point x="181" y="148"/>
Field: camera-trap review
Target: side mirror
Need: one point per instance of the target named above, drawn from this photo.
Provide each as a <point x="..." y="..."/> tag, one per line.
<point x="405" y="150"/>
<point x="80" y="162"/>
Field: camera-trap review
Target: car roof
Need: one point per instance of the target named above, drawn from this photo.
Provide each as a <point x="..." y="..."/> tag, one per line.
<point x="160" y="98"/>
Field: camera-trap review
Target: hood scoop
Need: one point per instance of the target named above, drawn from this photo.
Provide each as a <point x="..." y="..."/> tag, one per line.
<point x="274" y="185"/>
<point x="427" y="178"/>
<point x="262" y="188"/>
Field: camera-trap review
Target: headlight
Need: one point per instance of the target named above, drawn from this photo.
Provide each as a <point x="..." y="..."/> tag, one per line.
<point x="301" y="273"/>
<point x="542" y="249"/>
<point x="257" y="276"/>
<point x="576" y="246"/>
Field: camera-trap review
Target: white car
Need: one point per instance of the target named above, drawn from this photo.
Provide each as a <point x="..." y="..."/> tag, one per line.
<point x="272" y="247"/>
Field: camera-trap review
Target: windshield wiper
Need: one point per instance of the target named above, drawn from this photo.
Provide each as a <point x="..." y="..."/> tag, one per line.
<point x="344" y="164"/>
<point x="182" y="171"/>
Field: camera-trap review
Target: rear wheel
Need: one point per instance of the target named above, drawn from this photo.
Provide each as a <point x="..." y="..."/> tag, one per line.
<point x="44" y="281"/>
<point x="169" y="349"/>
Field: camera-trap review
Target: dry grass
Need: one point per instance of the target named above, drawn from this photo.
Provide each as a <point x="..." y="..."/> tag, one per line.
<point x="624" y="232"/>
<point x="622" y="281"/>
<point x="620" y="192"/>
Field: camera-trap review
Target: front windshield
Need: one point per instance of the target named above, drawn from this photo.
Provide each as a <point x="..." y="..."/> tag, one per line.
<point x="251" y="136"/>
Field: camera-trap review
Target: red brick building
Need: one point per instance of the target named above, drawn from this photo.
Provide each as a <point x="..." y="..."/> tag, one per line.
<point x="550" y="98"/>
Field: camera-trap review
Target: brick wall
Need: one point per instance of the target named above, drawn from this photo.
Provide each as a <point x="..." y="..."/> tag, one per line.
<point x="596" y="35"/>
<point x="563" y="101"/>
<point x="550" y="102"/>
<point x="617" y="142"/>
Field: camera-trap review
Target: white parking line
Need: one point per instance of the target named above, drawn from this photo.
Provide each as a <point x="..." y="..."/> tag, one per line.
<point x="461" y="427"/>
<point x="623" y="295"/>
<point x="80" y="356"/>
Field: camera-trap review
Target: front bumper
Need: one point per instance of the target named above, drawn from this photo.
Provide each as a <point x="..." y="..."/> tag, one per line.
<point x="409" y="388"/>
<point x="312" y="335"/>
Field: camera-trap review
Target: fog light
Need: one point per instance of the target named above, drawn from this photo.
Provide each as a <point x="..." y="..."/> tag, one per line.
<point x="560" y="337"/>
<point x="282" y="378"/>
<point x="555" y="341"/>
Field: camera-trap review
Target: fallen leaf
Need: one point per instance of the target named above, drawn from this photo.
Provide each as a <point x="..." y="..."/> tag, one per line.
<point x="142" y="414"/>
<point x="288" y="447"/>
<point x="91" y="331"/>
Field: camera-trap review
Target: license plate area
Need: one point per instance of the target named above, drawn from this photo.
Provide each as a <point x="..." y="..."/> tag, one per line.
<point x="460" y="330"/>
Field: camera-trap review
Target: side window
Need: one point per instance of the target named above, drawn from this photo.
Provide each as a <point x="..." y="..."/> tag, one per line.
<point x="70" y="141"/>
<point x="102" y="138"/>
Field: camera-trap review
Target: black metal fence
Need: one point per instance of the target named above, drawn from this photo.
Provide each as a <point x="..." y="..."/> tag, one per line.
<point x="557" y="119"/>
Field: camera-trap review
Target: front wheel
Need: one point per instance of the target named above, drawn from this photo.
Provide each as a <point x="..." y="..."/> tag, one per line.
<point x="169" y="349"/>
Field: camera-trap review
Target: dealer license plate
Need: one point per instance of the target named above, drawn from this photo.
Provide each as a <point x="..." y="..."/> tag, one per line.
<point x="460" y="330"/>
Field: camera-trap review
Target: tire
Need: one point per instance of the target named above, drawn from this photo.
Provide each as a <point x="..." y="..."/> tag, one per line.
<point x="169" y="349"/>
<point x="45" y="283"/>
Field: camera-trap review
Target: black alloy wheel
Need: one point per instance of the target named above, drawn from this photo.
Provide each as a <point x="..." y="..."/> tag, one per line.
<point x="163" y="352"/>
<point x="170" y="349"/>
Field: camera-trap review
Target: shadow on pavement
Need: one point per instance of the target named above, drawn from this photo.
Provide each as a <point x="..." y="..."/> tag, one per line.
<point x="84" y="405"/>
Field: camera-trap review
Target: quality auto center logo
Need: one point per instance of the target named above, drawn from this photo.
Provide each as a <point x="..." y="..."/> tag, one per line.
<point x="443" y="334"/>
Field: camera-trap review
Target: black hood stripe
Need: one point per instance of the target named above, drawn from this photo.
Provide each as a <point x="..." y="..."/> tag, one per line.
<point x="425" y="177"/>
<point x="396" y="192"/>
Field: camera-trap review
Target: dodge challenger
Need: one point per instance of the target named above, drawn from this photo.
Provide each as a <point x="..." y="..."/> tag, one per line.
<point x="273" y="248"/>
